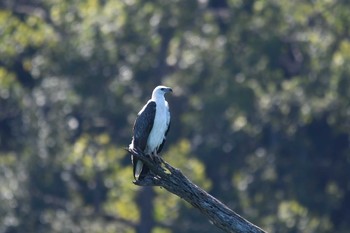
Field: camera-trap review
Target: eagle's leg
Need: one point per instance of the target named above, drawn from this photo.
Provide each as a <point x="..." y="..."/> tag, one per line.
<point x="154" y="155"/>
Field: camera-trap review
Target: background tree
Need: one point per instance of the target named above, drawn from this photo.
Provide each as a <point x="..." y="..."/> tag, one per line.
<point x="261" y="112"/>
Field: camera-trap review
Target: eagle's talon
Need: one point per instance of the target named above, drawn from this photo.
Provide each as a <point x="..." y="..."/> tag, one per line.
<point x="158" y="159"/>
<point x="153" y="156"/>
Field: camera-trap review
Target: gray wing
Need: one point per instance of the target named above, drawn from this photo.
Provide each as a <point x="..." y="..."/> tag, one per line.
<point x="161" y="145"/>
<point x="143" y="126"/>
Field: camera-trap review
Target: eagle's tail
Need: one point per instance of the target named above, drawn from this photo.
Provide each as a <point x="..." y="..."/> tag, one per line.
<point x="138" y="169"/>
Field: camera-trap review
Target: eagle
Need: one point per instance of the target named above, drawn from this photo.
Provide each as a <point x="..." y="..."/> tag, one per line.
<point x="150" y="129"/>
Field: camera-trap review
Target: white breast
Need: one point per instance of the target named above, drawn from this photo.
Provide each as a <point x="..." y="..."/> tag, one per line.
<point x="160" y="125"/>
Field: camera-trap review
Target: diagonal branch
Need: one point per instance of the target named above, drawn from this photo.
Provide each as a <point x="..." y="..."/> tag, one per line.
<point x="164" y="175"/>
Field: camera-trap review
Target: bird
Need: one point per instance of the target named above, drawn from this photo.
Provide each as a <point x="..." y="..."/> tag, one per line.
<point x="150" y="129"/>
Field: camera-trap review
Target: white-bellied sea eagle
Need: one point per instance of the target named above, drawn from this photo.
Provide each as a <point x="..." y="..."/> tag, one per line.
<point x="150" y="129"/>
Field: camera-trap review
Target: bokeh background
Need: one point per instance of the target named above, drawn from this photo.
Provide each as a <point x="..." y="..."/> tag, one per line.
<point x="260" y="112"/>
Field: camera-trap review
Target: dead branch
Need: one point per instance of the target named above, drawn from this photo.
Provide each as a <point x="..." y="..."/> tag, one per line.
<point x="164" y="175"/>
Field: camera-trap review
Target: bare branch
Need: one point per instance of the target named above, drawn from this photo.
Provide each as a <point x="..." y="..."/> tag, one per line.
<point x="164" y="175"/>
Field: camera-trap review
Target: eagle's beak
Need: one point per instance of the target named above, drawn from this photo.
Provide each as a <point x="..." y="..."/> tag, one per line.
<point x="170" y="90"/>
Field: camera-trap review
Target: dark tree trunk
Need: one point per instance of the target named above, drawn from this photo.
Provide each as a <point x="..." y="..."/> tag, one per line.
<point x="164" y="175"/>
<point x="145" y="202"/>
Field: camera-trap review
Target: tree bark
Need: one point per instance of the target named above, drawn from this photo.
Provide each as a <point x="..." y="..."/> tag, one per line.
<point x="146" y="222"/>
<point x="164" y="175"/>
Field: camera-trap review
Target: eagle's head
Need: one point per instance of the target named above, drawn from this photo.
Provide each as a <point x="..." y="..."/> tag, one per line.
<point x="160" y="91"/>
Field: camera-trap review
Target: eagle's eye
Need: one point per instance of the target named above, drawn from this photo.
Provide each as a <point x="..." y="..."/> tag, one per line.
<point x="162" y="89"/>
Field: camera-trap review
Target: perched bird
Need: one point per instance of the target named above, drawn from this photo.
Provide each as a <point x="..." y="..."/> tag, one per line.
<point x="150" y="129"/>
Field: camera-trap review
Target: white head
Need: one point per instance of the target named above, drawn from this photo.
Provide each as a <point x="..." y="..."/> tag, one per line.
<point x="160" y="91"/>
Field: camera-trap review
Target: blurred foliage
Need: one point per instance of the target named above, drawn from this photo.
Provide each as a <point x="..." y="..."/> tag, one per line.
<point x="260" y="112"/>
